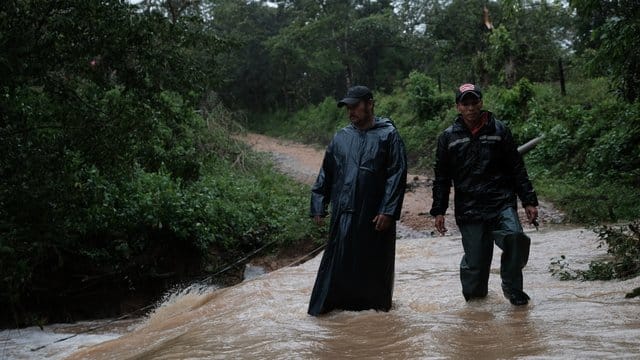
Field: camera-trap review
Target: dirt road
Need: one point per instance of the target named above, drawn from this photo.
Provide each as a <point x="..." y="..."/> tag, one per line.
<point x="303" y="163"/>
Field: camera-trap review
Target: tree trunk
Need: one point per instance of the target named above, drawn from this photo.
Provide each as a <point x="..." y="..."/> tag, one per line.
<point x="510" y="72"/>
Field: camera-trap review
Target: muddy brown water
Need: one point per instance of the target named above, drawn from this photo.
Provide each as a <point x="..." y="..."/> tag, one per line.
<point x="266" y="317"/>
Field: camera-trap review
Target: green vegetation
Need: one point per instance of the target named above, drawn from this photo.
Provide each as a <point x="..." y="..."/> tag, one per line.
<point x="588" y="164"/>
<point x="622" y="262"/>
<point x="119" y="175"/>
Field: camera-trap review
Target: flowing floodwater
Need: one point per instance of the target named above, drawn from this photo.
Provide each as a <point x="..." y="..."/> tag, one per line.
<point x="266" y="317"/>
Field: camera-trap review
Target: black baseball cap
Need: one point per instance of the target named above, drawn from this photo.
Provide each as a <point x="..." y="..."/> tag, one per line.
<point x="356" y="94"/>
<point x="466" y="89"/>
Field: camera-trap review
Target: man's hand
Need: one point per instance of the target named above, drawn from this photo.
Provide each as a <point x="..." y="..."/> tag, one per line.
<point x="532" y="214"/>
<point x="319" y="220"/>
<point x="440" y="224"/>
<point x="382" y="222"/>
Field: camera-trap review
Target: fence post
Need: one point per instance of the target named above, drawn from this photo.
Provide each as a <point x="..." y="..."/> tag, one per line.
<point x="563" y="91"/>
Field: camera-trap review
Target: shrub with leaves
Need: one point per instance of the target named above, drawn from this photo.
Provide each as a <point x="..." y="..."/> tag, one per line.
<point x="118" y="174"/>
<point x="424" y="96"/>
<point x="623" y="244"/>
<point x="622" y="262"/>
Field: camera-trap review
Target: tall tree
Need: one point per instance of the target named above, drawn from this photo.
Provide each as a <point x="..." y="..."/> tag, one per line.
<point x="609" y="30"/>
<point x="174" y="9"/>
<point x="529" y="39"/>
<point x="330" y="45"/>
<point x="97" y="97"/>
<point x="248" y="67"/>
<point x="460" y="35"/>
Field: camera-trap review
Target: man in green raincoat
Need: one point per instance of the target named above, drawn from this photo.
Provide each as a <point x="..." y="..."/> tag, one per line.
<point x="363" y="177"/>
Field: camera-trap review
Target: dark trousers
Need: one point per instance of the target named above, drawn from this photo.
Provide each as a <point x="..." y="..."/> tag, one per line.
<point x="478" y="238"/>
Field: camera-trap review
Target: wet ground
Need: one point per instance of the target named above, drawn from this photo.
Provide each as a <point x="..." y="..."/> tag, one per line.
<point x="266" y="317"/>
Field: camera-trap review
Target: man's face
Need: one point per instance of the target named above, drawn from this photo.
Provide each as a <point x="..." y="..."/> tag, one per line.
<point x="469" y="107"/>
<point x="360" y="113"/>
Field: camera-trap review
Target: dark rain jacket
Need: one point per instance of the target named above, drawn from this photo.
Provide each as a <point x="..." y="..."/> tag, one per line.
<point x="363" y="174"/>
<point x="486" y="170"/>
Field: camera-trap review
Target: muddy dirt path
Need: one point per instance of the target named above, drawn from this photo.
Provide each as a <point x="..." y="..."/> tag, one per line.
<point x="303" y="163"/>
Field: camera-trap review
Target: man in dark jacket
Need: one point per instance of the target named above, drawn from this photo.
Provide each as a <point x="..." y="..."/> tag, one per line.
<point x="479" y="156"/>
<point x="363" y="176"/>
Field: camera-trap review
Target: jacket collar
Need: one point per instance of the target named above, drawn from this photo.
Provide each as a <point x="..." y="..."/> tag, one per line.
<point x="490" y="126"/>
<point x="379" y="122"/>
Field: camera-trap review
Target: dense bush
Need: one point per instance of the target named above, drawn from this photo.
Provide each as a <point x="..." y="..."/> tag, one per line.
<point x="118" y="174"/>
<point x="424" y="97"/>
<point x="587" y="162"/>
<point x="512" y="105"/>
